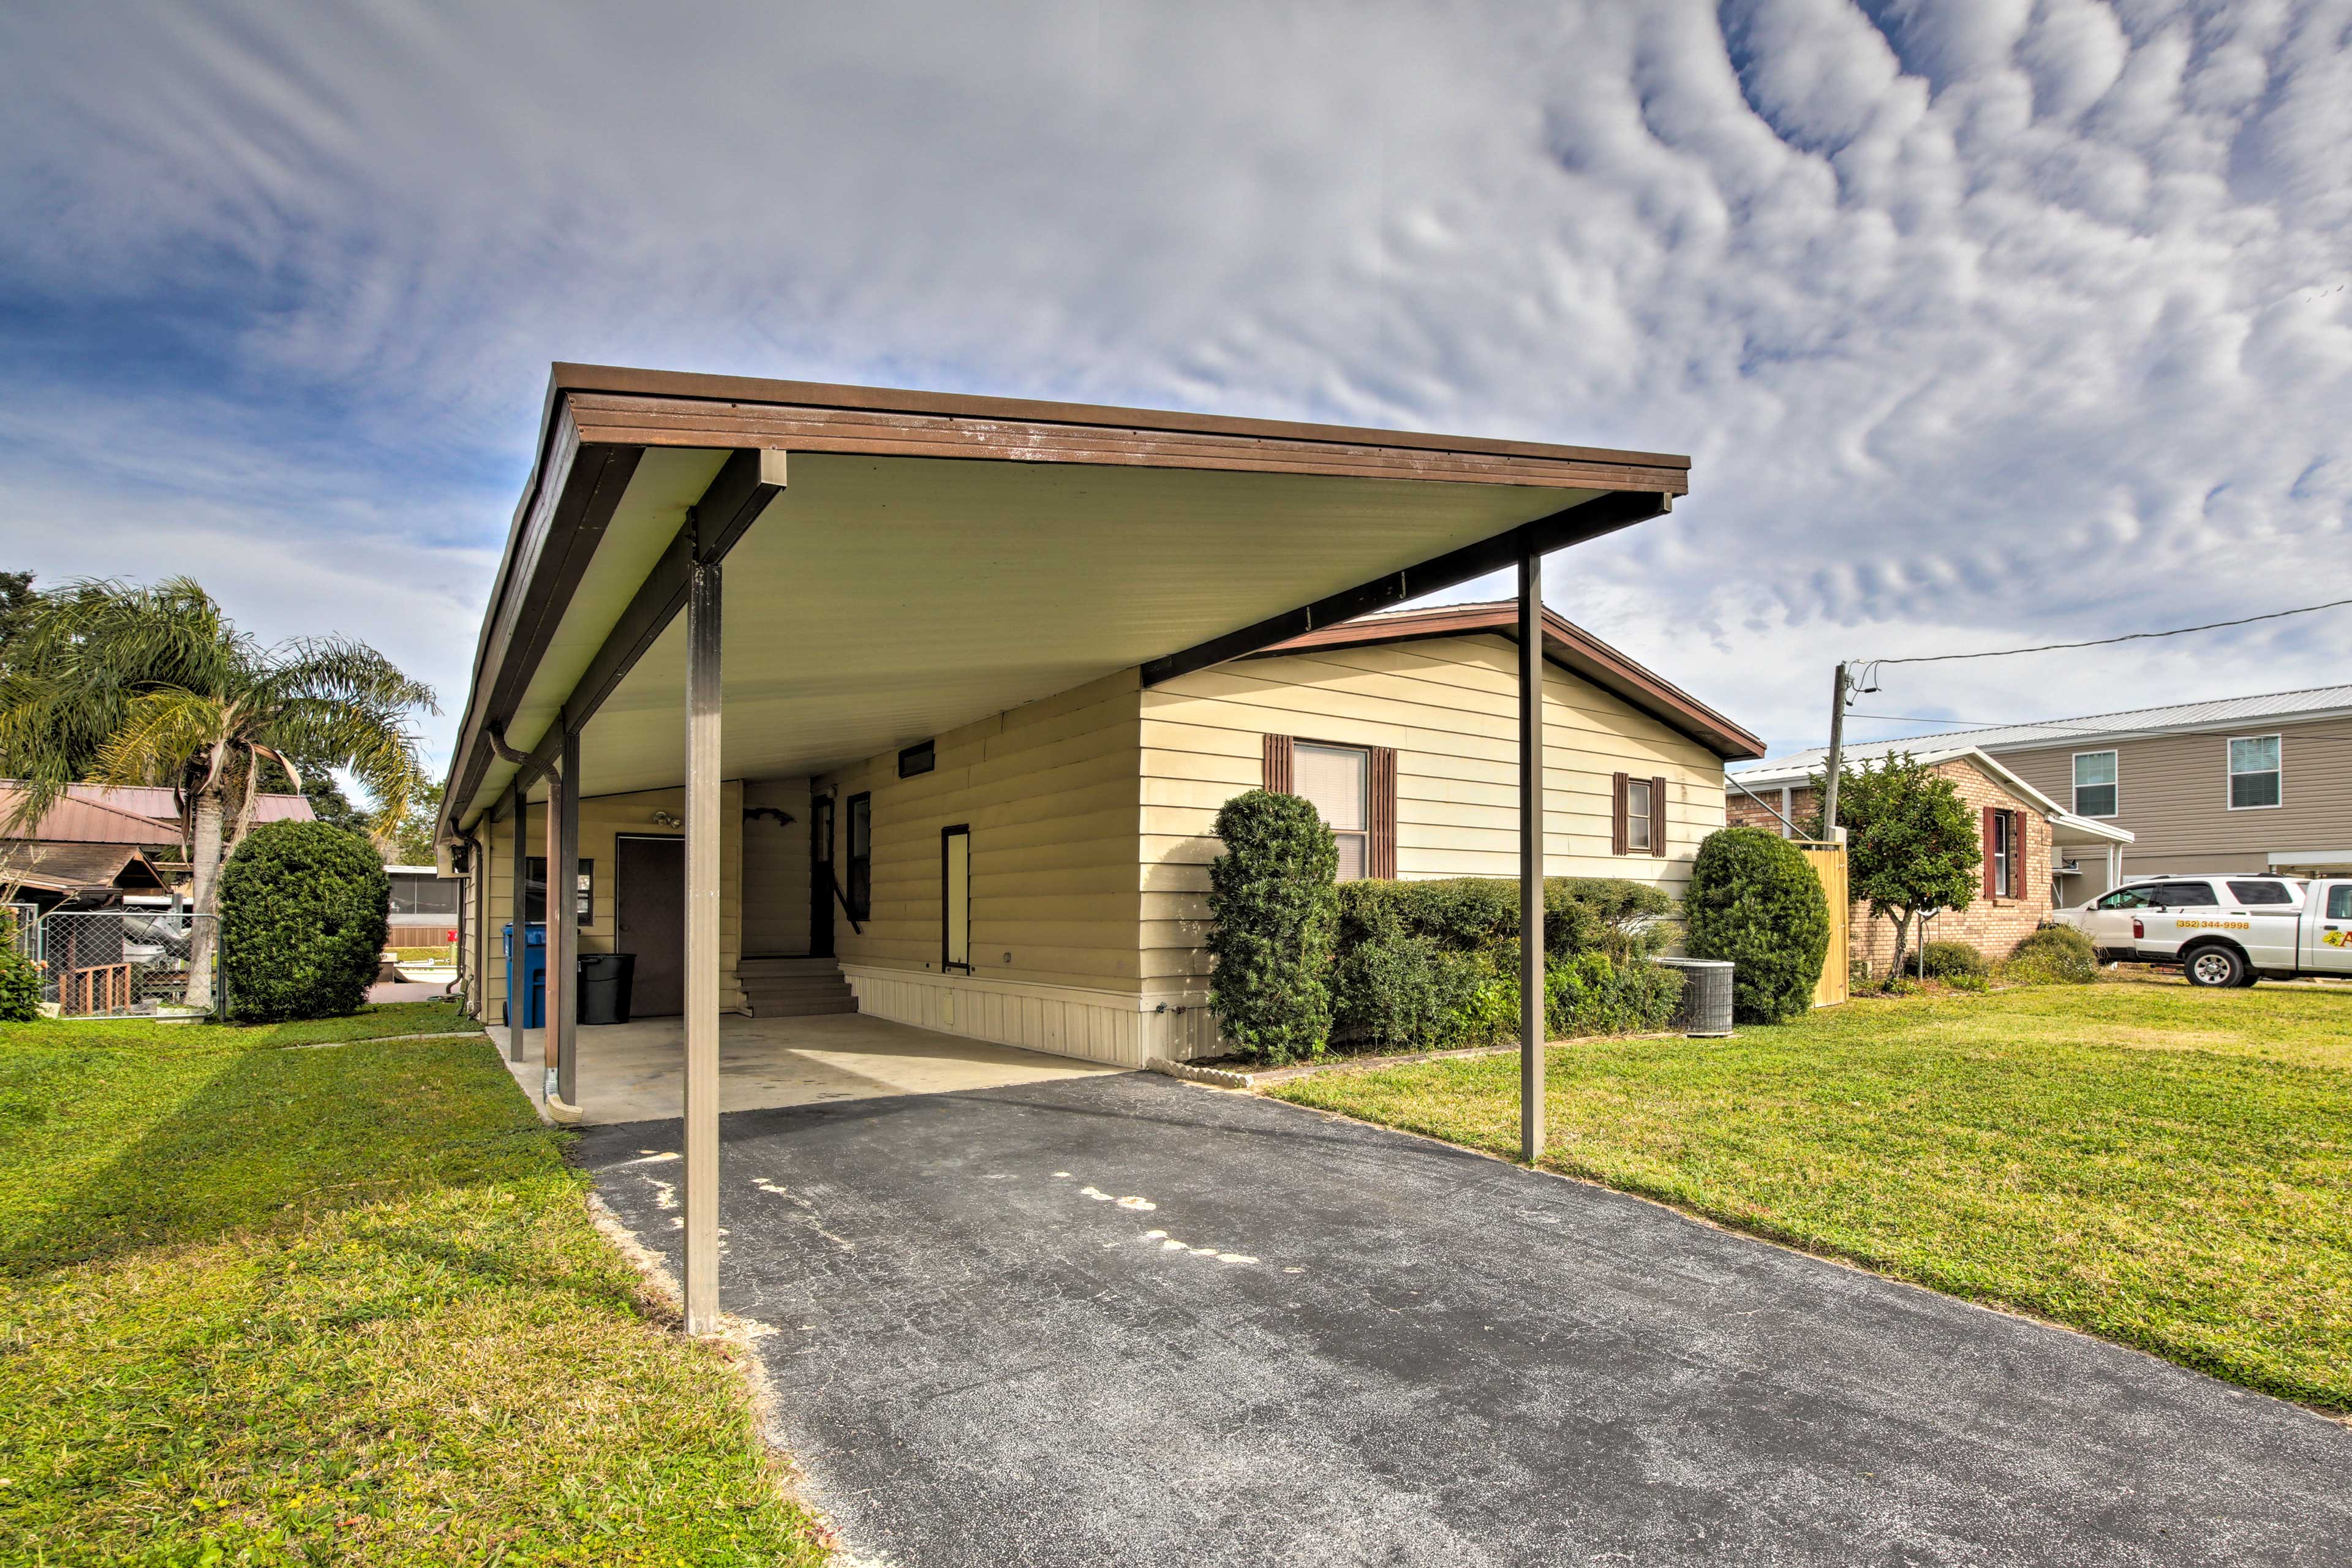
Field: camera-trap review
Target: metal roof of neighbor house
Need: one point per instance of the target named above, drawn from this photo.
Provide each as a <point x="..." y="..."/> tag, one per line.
<point x="932" y="558"/>
<point x="101" y="813"/>
<point x="155" y="800"/>
<point x="2221" y="713"/>
<point x="1798" y="768"/>
<point x="73" y="868"/>
<point x="1566" y="644"/>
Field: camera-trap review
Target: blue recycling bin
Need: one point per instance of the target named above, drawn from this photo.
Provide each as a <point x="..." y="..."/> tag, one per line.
<point x="534" y="977"/>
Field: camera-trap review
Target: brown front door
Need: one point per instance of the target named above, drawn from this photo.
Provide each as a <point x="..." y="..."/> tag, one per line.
<point x="650" y="900"/>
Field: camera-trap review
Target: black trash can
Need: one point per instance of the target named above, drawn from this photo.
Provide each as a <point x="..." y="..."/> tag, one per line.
<point x="604" y="980"/>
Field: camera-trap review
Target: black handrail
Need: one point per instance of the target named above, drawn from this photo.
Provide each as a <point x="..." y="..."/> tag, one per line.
<point x="849" y="914"/>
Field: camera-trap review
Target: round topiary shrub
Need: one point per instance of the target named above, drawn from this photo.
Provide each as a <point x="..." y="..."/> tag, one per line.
<point x="1274" y="908"/>
<point x="1754" y="900"/>
<point x="1946" y="960"/>
<point x="2054" y="956"/>
<point x="20" y="982"/>
<point x="302" y="921"/>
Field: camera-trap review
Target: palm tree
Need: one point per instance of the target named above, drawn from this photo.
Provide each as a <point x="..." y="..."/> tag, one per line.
<point x="117" y="684"/>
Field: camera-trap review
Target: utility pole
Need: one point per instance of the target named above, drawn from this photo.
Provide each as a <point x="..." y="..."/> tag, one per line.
<point x="1837" y="748"/>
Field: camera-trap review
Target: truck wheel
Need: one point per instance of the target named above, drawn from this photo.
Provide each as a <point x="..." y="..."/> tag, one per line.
<point x="2217" y="968"/>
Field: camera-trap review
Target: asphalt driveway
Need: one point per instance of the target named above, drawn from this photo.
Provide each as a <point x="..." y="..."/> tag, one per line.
<point x="1126" y="1320"/>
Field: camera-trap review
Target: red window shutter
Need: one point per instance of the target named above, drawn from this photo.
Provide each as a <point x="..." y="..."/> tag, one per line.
<point x="1278" y="751"/>
<point x="1657" y="816"/>
<point x="1617" y="831"/>
<point x="1384" y="813"/>
<point x="1990" y="827"/>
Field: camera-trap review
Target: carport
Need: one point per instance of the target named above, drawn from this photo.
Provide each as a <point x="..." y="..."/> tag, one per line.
<point x="870" y="567"/>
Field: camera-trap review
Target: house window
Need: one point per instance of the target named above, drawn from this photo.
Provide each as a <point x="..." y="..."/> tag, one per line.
<point x="2095" y="784"/>
<point x="534" y="897"/>
<point x="2254" y="773"/>
<point x="416" y="896"/>
<point x="1637" y="817"/>
<point x="2004" y="854"/>
<point x="861" y="857"/>
<point x="955" y="898"/>
<point x="920" y="758"/>
<point x="1337" y="780"/>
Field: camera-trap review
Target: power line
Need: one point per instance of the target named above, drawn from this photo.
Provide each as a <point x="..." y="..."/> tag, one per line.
<point x="2103" y="642"/>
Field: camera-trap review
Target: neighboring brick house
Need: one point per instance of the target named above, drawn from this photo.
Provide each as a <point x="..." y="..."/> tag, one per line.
<point x="2026" y="837"/>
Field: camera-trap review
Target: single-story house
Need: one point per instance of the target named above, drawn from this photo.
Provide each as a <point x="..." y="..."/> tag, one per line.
<point x="102" y="842"/>
<point x="2027" y="839"/>
<point x="1078" y="829"/>
<point x="956" y="684"/>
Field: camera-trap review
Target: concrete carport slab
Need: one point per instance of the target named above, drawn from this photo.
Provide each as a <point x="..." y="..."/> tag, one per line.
<point x="636" y="1071"/>
<point x="1124" y="1319"/>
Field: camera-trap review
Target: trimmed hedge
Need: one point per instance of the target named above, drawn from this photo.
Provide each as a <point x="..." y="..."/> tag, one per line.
<point x="2054" y="955"/>
<point x="1434" y="965"/>
<point x="1945" y="960"/>
<point x="302" y="921"/>
<point x="1275" y="909"/>
<point x="1754" y="900"/>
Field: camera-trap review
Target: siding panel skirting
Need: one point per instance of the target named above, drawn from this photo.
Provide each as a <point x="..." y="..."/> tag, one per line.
<point x="1062" y="1020"/>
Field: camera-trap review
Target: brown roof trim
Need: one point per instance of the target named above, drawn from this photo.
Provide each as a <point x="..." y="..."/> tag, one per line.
<point x="597" y="417"/>
<point x="1566" y="644"/>
<point x="576" y="378"/>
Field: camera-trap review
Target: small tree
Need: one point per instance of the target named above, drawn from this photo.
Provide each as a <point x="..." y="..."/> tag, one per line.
<point x="20" y="982"/>
<point x="1275" y="904"/>
<point x="303" y="917"/>
<point x="1754" y="900"/>
<point x="1912" y="843"/>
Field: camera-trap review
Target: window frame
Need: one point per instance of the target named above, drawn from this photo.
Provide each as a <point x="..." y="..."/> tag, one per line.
<point x="584" y="893"/>
<point x="1646" y="843"/>
<point x="858" y="891"/>
<point x="948" y="961"/>
<point x="1364" y="834"/>
<point x="2004" y="853"/>
<point x="2114" y="783"/>
<point x="2229" y="774"/>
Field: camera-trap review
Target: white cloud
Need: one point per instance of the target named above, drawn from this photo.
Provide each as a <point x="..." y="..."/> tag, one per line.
<point x="1985" y="324"/>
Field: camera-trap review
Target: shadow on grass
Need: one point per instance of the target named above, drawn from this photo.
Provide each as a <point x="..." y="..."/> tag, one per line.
<point x="269" y="1138"/>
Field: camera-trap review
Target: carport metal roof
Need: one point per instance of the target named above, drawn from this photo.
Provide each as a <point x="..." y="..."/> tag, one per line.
<point x="920" y="560"/>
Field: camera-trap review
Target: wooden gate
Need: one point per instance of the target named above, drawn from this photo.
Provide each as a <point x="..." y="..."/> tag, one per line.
<point x="1828" y="861"/>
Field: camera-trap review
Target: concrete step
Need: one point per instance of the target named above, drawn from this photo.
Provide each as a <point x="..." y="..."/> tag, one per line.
<point x="768" y="1006"/>
<point x="824" y="987"/>
<point x="747" y="967"/>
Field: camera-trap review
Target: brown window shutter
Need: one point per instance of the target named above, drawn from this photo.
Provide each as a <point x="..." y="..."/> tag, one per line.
<point x="1384" y="813"/>
<point x="1278" y="751"/>
<point x="1617" y="829"/>
<point x="1657" y="816"/>
<point x="1989" y="829"/>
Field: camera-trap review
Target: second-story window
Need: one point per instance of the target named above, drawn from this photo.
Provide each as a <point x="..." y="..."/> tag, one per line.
<point x="2254" y="772"/>
<point x="2095" y="784"/>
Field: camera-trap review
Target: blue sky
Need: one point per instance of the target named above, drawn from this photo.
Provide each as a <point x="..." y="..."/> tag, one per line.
<point x="2002" y="322"/>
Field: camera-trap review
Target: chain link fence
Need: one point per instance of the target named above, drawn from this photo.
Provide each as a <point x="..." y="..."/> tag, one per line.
<point x="115" y="964"/>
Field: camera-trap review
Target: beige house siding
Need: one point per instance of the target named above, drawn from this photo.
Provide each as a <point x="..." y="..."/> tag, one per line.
<point x="2173" y="793"/>
<point x="1050" y="793"/>
<point x="1091" y="817"/>
<point x="775" y="868"/>
<point x="603" y="819"/>
<point x="1449" y="708"/>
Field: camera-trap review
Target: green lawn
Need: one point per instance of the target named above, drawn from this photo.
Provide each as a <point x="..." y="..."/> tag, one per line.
<point x="264" y="1303"/>
<point x="2170" y="1168"/>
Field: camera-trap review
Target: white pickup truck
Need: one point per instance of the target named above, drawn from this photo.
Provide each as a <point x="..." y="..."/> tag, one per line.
<point x="2223" y="931"/>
